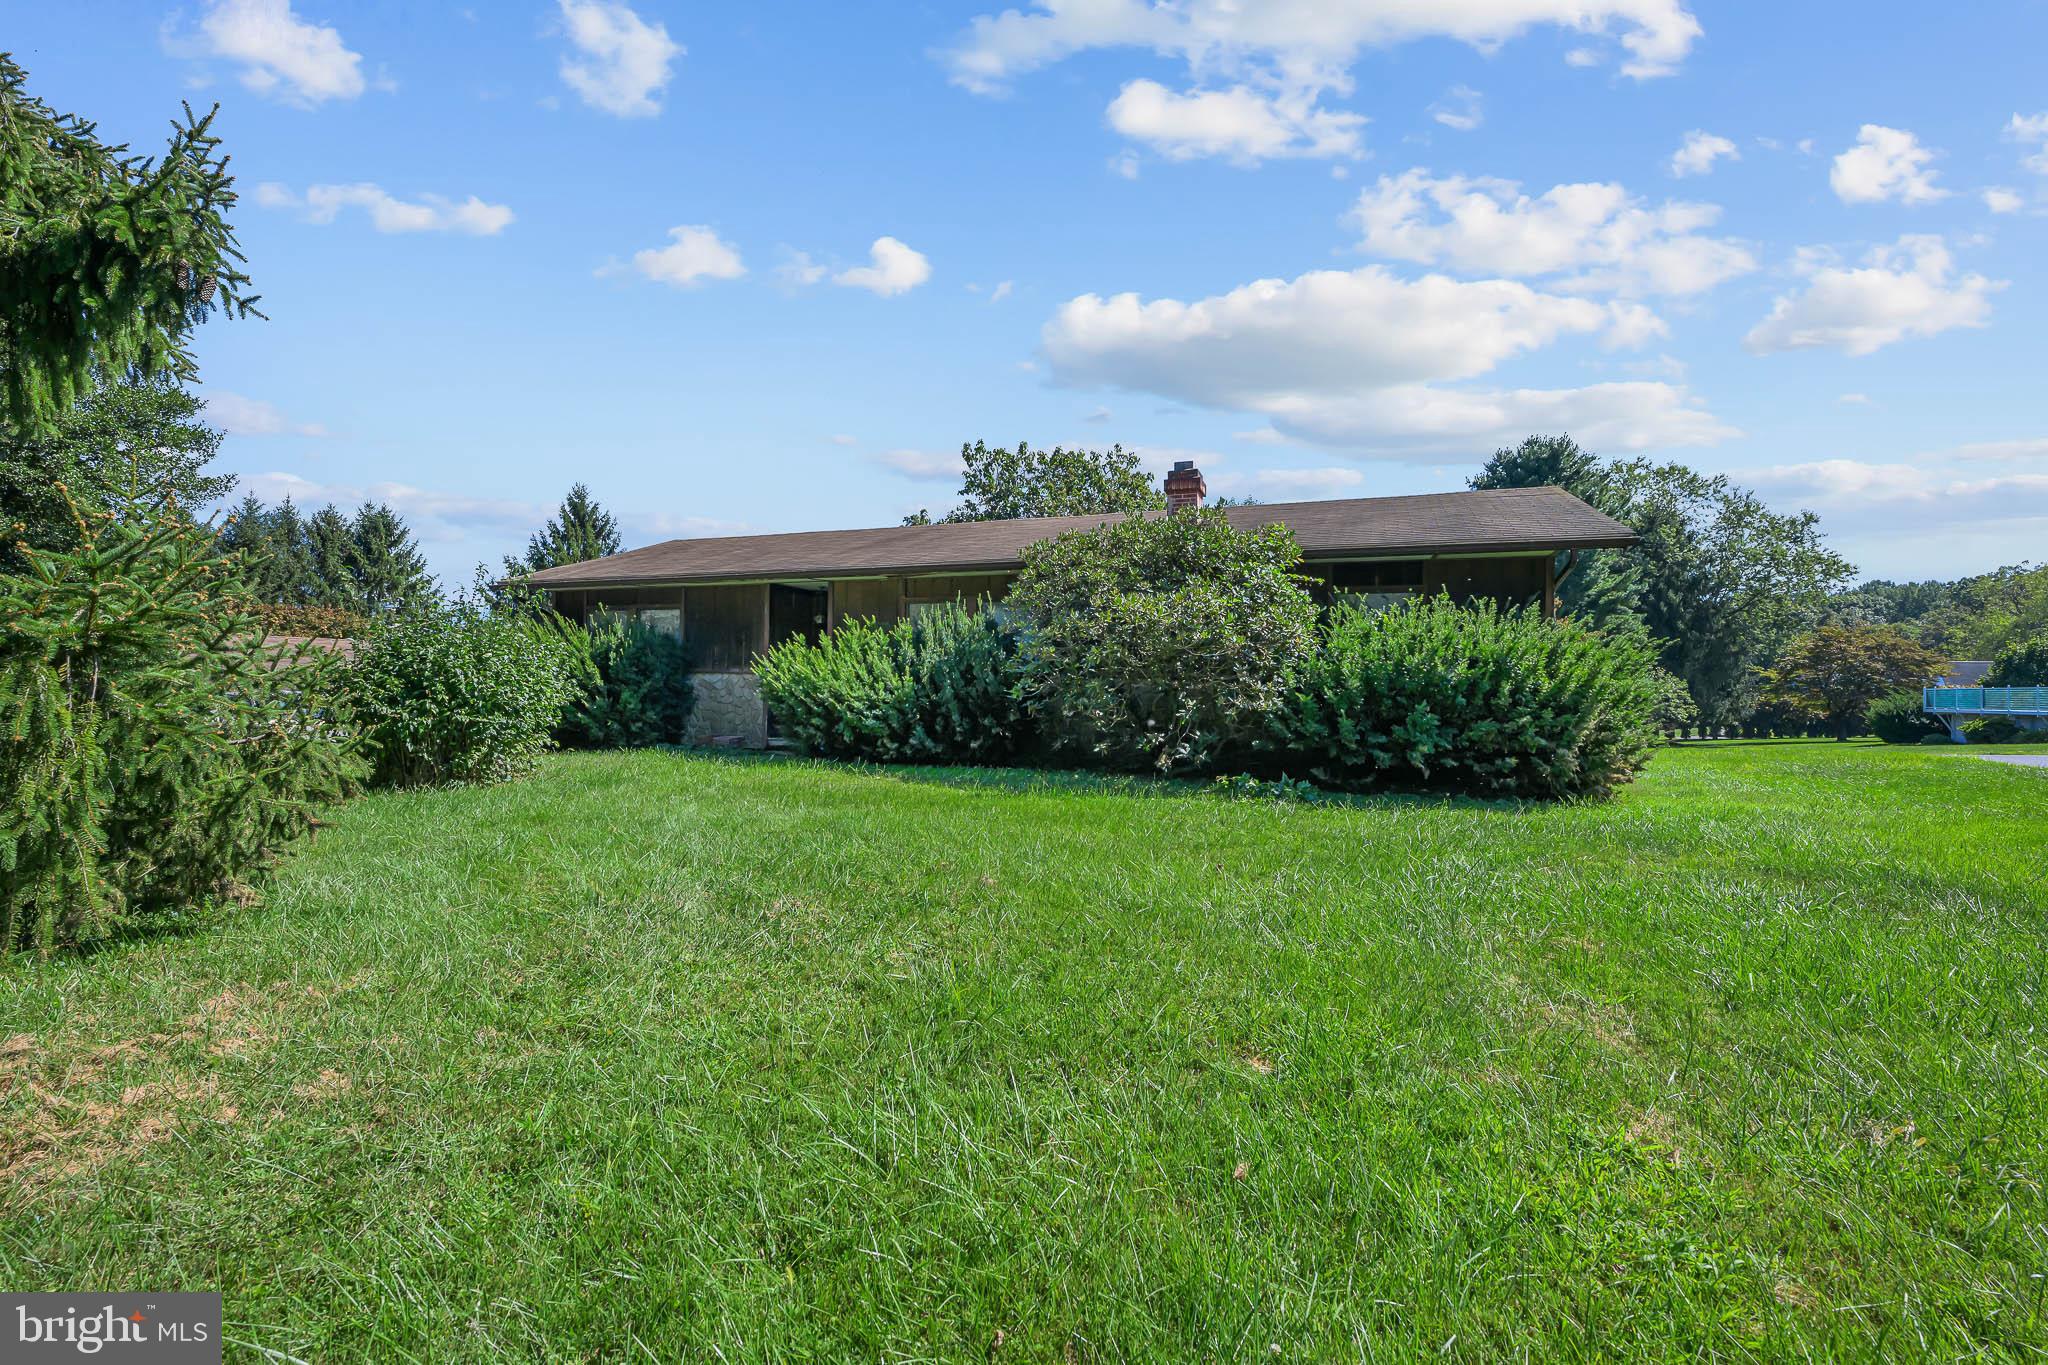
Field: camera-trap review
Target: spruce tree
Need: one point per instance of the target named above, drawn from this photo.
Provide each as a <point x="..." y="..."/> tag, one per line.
<point x="580" y="530"/>
<point x="142" y="434"/>
<point x="330" y="548"/>
<point x="107" y="259"/>
<point x="159" y="754"/>
<point x="387" y="569"/>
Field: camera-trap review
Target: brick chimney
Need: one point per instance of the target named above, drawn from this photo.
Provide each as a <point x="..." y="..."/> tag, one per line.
<point x="1185" y="486"/>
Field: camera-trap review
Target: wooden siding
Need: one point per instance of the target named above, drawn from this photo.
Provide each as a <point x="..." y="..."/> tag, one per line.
<point x="881" y="598"/>
<point x="726" y="625"/>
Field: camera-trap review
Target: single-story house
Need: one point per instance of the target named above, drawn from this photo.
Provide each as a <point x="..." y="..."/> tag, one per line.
<point x="733" y="597"/>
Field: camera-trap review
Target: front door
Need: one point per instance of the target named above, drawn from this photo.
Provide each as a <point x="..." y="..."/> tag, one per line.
<point x="794" y="611"/>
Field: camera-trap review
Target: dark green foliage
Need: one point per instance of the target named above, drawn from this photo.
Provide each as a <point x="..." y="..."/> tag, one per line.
<point x="362" y="565"/>
<point x="1470" y="699"/>
<point x="1835" y="673"/>
<point x="2024" y="664"/>
<point x="456" y="694"/>
<point x="941" y="688"/>
<point x="1161" y="642"/>
<point x="157" y="754"/>
<point x="143" y="434"/>
<point x="1720" y="581"/>
<point x="2002" y="730"/>
<point x="580" y="530"/>
<point x="106" y="259"/>
<point x="1601" y="587"/>
<point x="636" y="690"/>
<point x="1898" y="719"/>
<point x="1000" y="484"/>
<point x="1978" y="617"/>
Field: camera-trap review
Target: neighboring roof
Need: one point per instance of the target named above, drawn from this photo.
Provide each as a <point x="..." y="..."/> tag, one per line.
<point x="1496" y="521"/>
<point x="1965" y="672"/>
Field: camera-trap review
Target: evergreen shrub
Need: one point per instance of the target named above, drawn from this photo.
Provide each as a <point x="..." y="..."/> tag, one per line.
<point x="636" y="690"/>
<point x="1472" y="699"/>
<point x="1898" y="719"/>
<point x="156" y="756"/>
<point x="941" y="688"/>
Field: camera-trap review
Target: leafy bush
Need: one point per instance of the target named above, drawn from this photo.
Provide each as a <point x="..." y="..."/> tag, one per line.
<point x="2020" y="665"/>
<point x="1898" y="719"/>
<point x="457" y="694"/>
<point x="1674" y="712"/>
<point x="1164" y="641"/>
<point x="159" y="756"/>
<point x="1472" y="699"/>
<point x="938" y="689"/>
<point x="2002" y="730"/>
<point x="635" y="691"/>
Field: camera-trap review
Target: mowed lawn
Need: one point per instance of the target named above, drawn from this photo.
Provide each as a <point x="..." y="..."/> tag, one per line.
<point x="656" y="1057"/>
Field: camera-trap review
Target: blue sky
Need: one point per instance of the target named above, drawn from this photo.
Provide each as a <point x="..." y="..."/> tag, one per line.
<point x="766" y="267"/>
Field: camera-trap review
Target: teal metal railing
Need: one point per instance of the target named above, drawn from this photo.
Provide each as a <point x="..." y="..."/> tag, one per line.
<point x="1986" y="701"/>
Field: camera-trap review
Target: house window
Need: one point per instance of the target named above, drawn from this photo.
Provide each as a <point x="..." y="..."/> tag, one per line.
<point x="667" y="620"/>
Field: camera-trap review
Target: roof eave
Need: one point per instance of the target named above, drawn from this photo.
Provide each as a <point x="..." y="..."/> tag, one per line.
<point x="1383" y="551"/>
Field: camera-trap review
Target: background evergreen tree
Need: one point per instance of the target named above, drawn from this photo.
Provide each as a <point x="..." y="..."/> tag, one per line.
<point x="107" y="259"/>
<point x="386" y="569"/>
<point x="143" y="435"/>
<point x="329" y="547"/>
<point x="579" y="530"/>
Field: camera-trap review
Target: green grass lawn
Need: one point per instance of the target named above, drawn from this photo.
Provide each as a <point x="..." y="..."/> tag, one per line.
<point x="658" y="1057"/>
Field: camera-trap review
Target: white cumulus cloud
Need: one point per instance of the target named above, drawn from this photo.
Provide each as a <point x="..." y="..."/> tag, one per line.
<point x="694" y="253"/>
<point x="387" y="212"/>
<point x="1999" y="199"/>
<point x="279" y="54"/>
<point x="621" y="62"/>
<point x="893" y="268"/>
<point x="1296" y="39"/>
<point x="1361" y="359"/>
<point x="238" y="415"/>
<point x="1261" y="70"/>
<point x="1909" y="289"/>
<point x="1592" y="237"/>
<point x="1886" y="163"/>
<point x="2031" y="130"/>
<point x="1239" y="123"/>
<point x="1698" y="153"/>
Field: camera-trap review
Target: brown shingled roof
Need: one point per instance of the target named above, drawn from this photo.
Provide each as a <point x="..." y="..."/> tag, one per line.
<point x="1495" y="521"/>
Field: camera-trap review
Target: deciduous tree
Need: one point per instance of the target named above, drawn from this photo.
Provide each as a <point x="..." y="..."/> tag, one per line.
<point x="1003" y="483"/>
<point x="1836" y="672"/>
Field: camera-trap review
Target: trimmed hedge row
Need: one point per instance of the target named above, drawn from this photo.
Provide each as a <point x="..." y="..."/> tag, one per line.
<point x="1431" y="696"/>
<point x="941" y="688"/>
<point x="1472" y="699"/>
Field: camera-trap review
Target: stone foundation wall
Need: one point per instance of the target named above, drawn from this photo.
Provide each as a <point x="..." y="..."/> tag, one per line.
<point x="727" y="704"/>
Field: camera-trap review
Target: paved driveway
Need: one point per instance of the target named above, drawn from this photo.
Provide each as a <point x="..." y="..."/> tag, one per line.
<point x="2020" y="760"/>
